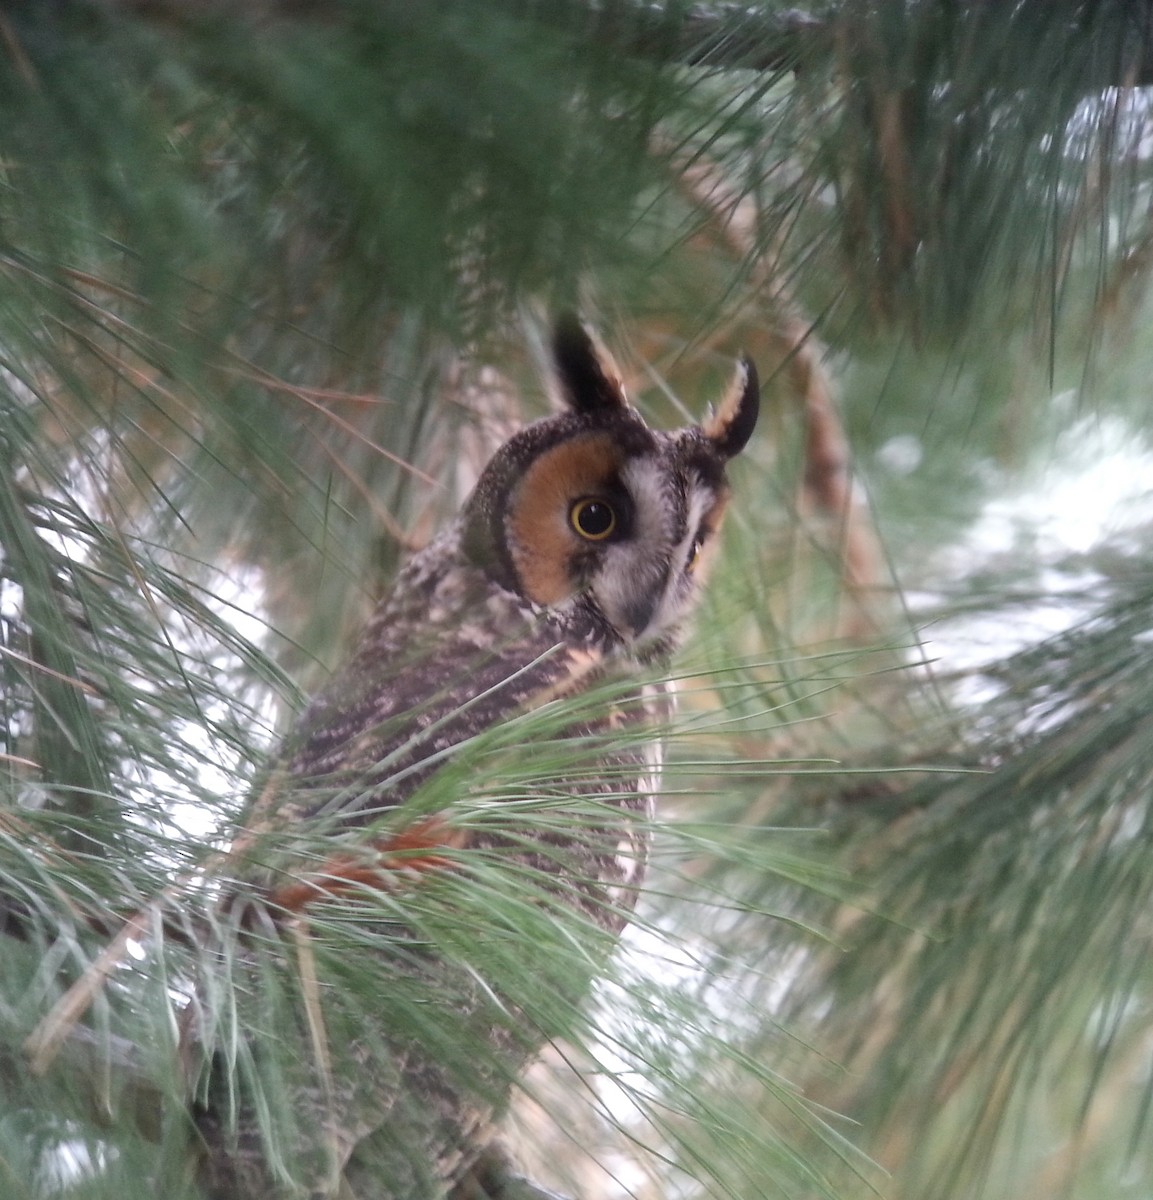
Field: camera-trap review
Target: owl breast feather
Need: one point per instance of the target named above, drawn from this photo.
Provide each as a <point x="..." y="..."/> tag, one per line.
<point x="447" y="656"/>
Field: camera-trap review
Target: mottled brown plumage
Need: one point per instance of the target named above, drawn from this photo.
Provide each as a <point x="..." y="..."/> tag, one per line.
<point x="574" y="562"/>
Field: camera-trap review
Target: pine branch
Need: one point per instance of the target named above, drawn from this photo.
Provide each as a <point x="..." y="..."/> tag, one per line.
<point x="735" y="36"/>
<point x="69" y="750"/>
<point x="726" y="35"/>
<point x="104" y="1074"/>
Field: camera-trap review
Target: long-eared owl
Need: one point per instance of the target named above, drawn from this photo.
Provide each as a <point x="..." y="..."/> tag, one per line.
<point x="568" y="574"/>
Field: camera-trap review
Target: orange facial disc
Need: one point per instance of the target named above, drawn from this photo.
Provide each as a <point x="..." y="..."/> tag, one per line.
<point x="541" y="538"/>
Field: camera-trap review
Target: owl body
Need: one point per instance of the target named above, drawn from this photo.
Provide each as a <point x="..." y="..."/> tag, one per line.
<point x="564" y="582"/>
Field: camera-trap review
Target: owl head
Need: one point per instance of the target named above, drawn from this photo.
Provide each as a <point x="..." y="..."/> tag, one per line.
<point x="596" y="516"/>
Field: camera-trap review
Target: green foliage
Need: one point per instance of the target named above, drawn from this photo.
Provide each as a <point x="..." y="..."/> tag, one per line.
<point x="270" y="288"/>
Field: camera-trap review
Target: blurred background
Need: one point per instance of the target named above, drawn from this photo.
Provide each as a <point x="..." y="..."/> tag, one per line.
<point x="274" y="284"/>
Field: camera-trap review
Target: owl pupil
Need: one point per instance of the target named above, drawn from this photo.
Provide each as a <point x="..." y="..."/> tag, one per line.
<point x="593" y="518"/>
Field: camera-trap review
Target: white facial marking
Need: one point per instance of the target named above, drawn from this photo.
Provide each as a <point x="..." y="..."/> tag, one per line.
<point x="650" y="565"/>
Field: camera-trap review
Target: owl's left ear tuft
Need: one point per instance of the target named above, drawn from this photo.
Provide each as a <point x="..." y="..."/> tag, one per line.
<point x="589" y="379"/>
<point x="731" y="425"/>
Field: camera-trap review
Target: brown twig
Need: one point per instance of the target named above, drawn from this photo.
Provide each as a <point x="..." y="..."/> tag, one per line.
<point x="827" y="481"/>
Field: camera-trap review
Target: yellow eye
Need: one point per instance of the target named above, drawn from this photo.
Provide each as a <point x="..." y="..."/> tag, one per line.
<point x="593" y="519"/>
<point x="694" y="554"/>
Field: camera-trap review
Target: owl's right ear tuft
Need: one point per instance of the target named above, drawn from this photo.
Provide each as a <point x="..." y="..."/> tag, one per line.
<point x="590" y="381"/>
<point x="731" y="426"/>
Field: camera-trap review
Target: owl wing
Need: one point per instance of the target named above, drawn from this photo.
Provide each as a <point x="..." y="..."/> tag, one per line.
<point x="381" y="729"/>
<point x="413" y="692"/>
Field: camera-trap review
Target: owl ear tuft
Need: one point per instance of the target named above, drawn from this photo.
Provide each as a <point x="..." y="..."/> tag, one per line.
<point x="590" y="380"/>
<point x="731" y="425"/>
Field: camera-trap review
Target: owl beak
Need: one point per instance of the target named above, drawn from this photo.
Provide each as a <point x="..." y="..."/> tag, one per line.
<point x="638" y="612"/>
